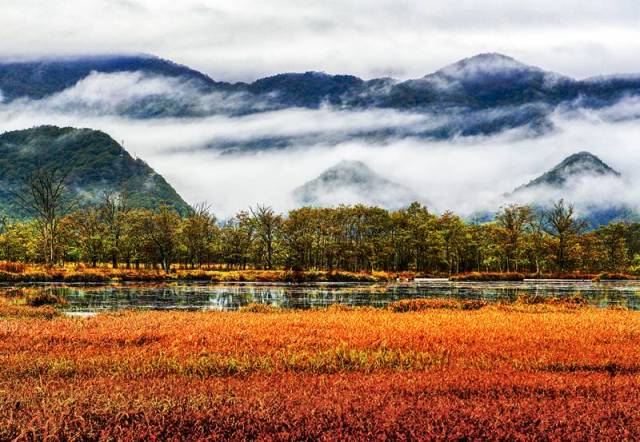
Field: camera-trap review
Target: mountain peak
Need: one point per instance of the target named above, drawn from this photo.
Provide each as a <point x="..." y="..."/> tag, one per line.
<point x="486" y="63"/>
<point x="354" y="169"/>
<point x="574" y="166"/>
<point x="352" y="182"/>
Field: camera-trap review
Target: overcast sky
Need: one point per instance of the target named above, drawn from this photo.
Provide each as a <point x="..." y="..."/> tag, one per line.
<point x="245" y="39"/>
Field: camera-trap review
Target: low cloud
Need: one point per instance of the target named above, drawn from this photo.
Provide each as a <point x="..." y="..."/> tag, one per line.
<point x="464" y="174"/>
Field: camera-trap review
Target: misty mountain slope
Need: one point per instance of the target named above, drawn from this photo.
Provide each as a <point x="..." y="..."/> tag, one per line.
<point x="352" y="182"/>
<point x="40" y="78"/>
<point x="96" y="162"/>
<point x="584" y="180"/>
<point x="310" y="89"/>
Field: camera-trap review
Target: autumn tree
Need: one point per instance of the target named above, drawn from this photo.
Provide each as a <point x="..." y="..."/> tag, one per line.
<point x="237" y="237"/>
<point x="90" y="233"/>
<point x="198" y="232"/>
<point x="161" y="232"/>
<point x="614" y="243"/>
<point x="113" y="210"/>
<point x="513" y="221"/>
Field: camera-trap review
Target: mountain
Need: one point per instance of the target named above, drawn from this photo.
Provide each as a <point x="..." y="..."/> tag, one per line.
<point x="583" y="179"/>
<point x="96" y="163"/>
<point x="352" y="182"/>
<point x="480" y="95"/>
<point x="576" y="166"/>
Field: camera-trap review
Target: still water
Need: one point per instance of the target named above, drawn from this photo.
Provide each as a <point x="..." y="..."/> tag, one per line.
<point x="230" y="296"/>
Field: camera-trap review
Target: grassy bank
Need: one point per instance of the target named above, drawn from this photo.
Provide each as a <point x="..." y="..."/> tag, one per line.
<point x="20" y="273"/>
<point x="428" y="370"/>
<point x="32" y="273"/>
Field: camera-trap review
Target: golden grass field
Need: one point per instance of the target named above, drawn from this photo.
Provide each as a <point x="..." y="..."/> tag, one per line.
<point x="510" y="372"/>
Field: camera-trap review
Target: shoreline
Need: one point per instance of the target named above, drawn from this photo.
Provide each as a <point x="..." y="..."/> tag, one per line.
<point x="75" y="274"/>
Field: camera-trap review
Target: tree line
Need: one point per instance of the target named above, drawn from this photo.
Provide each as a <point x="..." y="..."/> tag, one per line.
<point x="352" y="238"/>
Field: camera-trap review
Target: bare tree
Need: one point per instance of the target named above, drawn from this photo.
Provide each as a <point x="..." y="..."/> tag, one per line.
<point x="267" y="226"/>
<point x="560" y="223"/>
<point x="44" y="197"/>
<point x="113" y="211"/>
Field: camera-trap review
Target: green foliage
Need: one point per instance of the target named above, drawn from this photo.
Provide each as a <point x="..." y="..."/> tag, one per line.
<point x="96" y="164"/>
<point x="345" y="243"/>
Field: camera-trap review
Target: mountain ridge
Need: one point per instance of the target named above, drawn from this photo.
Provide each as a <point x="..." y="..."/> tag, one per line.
<point x="477" y="96"/>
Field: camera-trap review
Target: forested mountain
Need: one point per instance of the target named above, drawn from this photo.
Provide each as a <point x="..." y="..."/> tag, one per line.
<point x="483" y="94"/>
<point x="95" y="164"/>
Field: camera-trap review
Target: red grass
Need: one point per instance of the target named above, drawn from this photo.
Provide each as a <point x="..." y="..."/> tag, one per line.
<point x="503" y="372"/>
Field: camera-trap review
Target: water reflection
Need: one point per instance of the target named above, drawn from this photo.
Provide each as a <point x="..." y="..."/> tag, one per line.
<point x="231" y="296"/>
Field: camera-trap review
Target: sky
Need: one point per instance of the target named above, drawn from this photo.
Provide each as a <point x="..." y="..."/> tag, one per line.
<point x="246" y="39"/>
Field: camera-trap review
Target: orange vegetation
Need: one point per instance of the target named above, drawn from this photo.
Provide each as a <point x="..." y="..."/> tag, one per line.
<point x="522" y="371"/>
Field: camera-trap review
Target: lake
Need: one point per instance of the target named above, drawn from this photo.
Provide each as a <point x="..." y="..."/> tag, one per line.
<point x="86" y="299"/>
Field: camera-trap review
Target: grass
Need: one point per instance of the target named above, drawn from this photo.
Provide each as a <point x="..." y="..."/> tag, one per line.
<point x="434" y="371"/>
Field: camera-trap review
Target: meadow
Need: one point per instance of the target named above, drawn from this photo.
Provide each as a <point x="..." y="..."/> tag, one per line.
<point x="421" y="369"/>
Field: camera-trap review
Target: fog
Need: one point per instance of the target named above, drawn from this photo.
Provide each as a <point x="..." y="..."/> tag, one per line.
<point x="463" y="174"/>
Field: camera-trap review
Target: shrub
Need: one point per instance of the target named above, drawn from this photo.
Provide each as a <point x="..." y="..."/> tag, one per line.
<point x="488" y="276"/>
<point x="41" y="297"/>
<point x="572" y="276"/>
<point x="86" y="277"/>
<point x="416" y="305"/>
<point x="22" y="311"/>
<point x="259" y="308"/>
<point x="12" y="267"/>
<point x="576" y="300"/>
<point x="613" y="276"/>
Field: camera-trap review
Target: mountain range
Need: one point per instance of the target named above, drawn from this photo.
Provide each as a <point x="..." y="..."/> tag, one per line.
<point x="484" y="94"/>
<point x="479" y="82"/>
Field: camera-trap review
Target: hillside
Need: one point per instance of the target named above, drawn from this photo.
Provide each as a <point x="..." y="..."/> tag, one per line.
<point x="96" y="162"/>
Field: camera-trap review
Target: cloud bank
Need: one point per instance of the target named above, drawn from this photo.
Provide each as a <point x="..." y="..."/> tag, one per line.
<point x="466" y="175"/>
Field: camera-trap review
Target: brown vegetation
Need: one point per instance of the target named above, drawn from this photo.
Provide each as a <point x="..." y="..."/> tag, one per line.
<point x="500" y="372"/>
